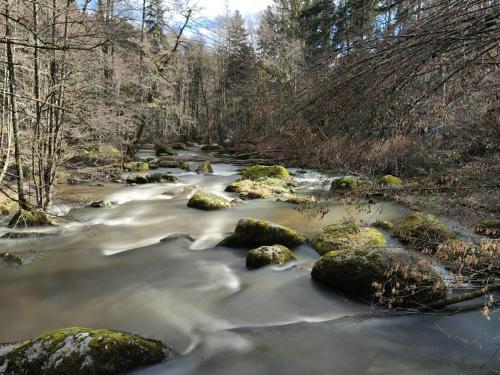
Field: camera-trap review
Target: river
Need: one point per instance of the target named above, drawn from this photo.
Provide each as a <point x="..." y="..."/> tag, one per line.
<point x="110" y="268"/>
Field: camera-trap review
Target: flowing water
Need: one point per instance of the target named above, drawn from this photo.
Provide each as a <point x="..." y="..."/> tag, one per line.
<point x="150" y="265"/>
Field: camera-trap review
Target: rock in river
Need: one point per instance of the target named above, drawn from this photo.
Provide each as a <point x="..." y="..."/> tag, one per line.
<point x="208" y="202"/>
<point x="82" y="351"/>
<point x="254" y="232"/>
<point x="266" y="255"/>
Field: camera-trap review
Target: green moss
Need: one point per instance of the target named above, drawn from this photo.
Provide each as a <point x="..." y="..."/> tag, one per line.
<point x="384" y="224"/>
<point x="488" y="227"/>
<point x="253" y="232"/>
<point x="62" y="177"/>
<point x="346" y="236"/>
<point x="205" y="168"/>
<point x="297" y="199"/>
<point x="83" y="351"/>
<point x="136" y="166"/>
<point x="380" y="276"/>
<point x="258" y="171"/>
<point x="151" y="179"/>
<point x="208" y="202"/>
<point x="266" y="255"/>
<point x="182" y="164"/>
<point x="422" y="230"/>
<point x="390" y="180"/>
<point x="10" y="259"/>
<point x="25" y="218"/>
<point x="261" y="188"/>
<point x="7" y="206"/>
<point x="166" y="162"/>
<point x="347" y="183"/>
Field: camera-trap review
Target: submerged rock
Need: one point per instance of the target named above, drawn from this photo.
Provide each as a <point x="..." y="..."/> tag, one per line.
<point x="258" y="171"/>
<point x="380" y="276"/>
<point x="10" y="259"/>
<point x="389" y="180"/>
<point x="82" y="351"/>
<point x="346" y="237"/>
<point x="102" y="204"/>
<point x="35" y="218"/>
<point x="136" y="166"/>
<point x="488" y="227"/>
<point x="266" y="255"/>
<point x="151" y="179"/>
<point x="298" y="199"/>
<point x="253" y="232"/>
<point x="208" y="202"/>
<point x="423" y="230"/>
<point x="347" y="183"/>
<point x="205" y="168"/>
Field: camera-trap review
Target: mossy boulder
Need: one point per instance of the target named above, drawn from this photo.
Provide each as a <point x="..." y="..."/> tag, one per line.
<point x="383" y="224"/>
<point x="180" y="146"/>
<point x="261" y="188"/>
<point x="151" y="179"/>
<point x="82" y="351"/>
<point x="162" y="149"/>
<point x="254" y="232"/>
<point x="381" y="276"/>
<point x="10" y="259"/>
<point x="346" y="237"/>
<point x="266" y="255"/>
<point x="390" y="180"/>
<point x="258" y="171"/>
<point x="166" y="162"/>
<point x="208" y="202"/>
<point x="35" y="218"/>
<point x="205" y="168"/>
<point x="136" y="166"/>
<point x="488" y="227"/>
<point x="102" y="204"/>
<point x="422" y="230"/>
<point x="347" y="183"/>
<point x="299" y="199"/>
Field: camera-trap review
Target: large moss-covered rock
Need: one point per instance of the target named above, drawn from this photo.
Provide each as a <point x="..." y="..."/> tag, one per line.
<point x="346" y="237"/>
<point x="166" y="162"/>
<point x="347" y="183"/>
<point x="208" y="202"/>
<point x="390" y="180"/>
<point x="488" y="227"/>
<point x="266" y="255"/>
<point x="212" y="147"/>
<point x="384" y="224"/>
<point x="258" y="171"/>
<point x="205" y="168"/>
<point x="254" y="232"/>
<point x="82" y="351"/>
<point x="151" y="179"/>
<point x="381" y="276"/>
<point x="35" y="218"/>
<point x="423" y="230"/>
<point x="136" y="166"/>
<point x="261" y="188"/>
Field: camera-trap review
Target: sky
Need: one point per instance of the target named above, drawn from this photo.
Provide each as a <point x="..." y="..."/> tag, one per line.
<point x="214" y="8"/>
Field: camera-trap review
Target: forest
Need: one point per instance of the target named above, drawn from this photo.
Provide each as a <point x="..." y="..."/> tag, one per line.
<point x="249" y="193"/>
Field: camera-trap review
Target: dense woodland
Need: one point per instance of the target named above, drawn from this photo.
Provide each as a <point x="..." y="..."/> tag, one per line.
<point x="392" y="86"/>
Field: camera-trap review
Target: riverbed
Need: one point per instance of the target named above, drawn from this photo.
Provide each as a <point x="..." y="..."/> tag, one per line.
<point x="151" y="266"/>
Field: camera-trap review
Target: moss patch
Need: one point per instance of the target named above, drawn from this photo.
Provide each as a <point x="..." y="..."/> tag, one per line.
<point x="380" y="276"/>
<point x="136" y="166"/>
<point x="151" y="179"/>
<point x="254" y="232"/>
<point x="422" y="230"/>
<point x="205" y="168"/>
<point x="266" y="255"/>
<point x="208" y="202"/>
<point x="346" y="236"/>
<point x="258" y="171"/>
<point x="347" y="183"/>
<point x="24" y="218"/>
<point x="383" y="224"/>
<point x="162" y="149"/>
<point x="83" y="351"/>
<point x="261" y="188"/>
<point x="389" y="180"/>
